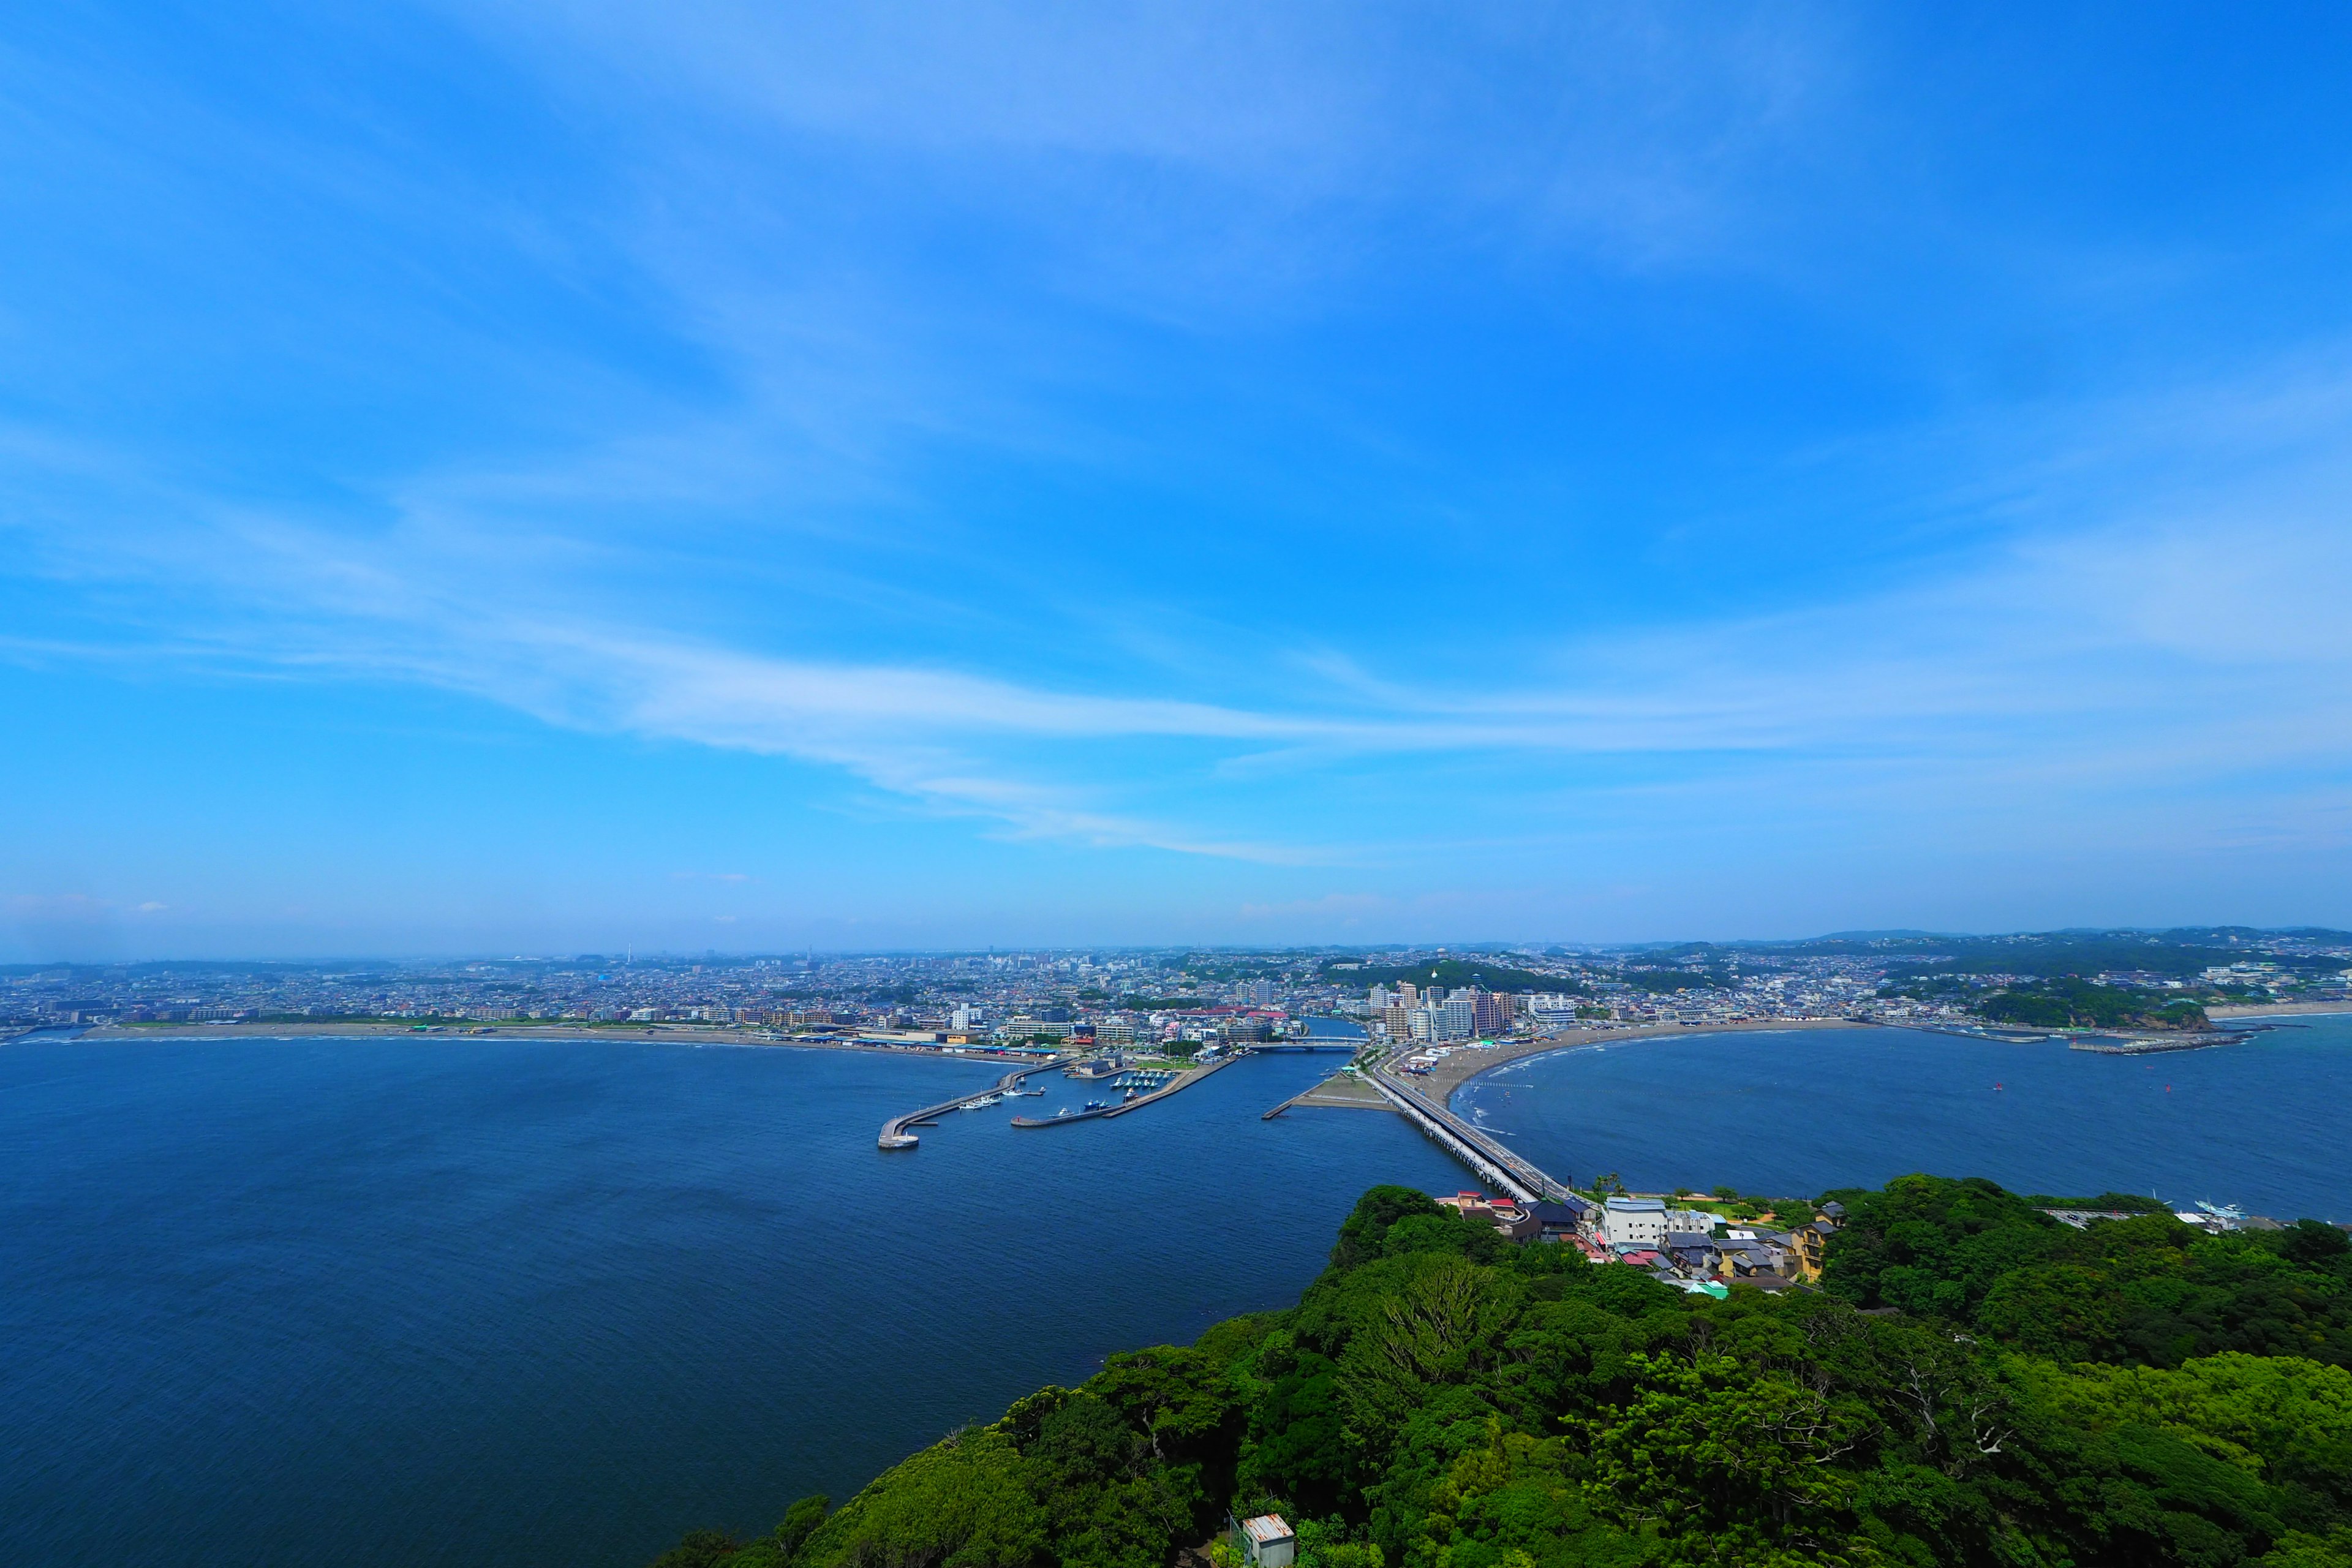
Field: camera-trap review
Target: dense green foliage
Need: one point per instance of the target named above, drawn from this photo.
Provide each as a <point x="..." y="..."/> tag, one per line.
<point x="2062" y="1003"/>
<point x="2145" y="1292"/>
<point x="1976" y="1384"/>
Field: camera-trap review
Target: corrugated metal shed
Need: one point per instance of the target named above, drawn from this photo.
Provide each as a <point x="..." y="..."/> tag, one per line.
<point x="1266" y="1529"/>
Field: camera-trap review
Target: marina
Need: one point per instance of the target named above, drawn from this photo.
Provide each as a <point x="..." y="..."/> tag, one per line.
<point x="1169" y="1083"/>
<point x="896" y="1133"/>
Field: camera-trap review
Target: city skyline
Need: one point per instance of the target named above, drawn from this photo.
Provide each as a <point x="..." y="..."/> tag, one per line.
<point x="503" y="479"/>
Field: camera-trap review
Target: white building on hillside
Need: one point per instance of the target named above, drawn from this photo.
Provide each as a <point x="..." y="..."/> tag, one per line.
<point x="1641" y="1220"/>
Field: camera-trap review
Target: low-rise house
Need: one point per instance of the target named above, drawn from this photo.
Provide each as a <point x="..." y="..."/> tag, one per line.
<point x="1743" y="1258"/>
<point x="1508" y="1216"/>
<point x="1811" y="1247"/>
<point x="1570" y="1215"/>
<point x="1693" y="1252"/>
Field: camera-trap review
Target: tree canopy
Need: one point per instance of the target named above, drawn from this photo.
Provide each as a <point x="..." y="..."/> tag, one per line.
<point x="1975" y="1383"/>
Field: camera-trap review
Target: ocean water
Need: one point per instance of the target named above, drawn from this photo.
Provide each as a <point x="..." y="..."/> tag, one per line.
<point x="1793" y="1112"/>
<point x="467" y="1301"/>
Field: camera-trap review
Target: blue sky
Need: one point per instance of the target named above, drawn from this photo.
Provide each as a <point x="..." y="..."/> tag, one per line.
<point x="533" y="477"/>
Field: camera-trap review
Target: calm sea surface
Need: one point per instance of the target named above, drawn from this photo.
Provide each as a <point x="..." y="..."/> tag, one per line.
<point x="2259" y="1123"/>
<point x="393" y="1301"/>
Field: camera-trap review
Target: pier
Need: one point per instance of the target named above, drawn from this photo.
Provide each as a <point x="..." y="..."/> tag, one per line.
<point x="894" y="1133"/>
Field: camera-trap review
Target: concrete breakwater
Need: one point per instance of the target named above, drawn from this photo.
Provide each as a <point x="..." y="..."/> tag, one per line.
<point x="1182" y="1081"/>
<point x="894" y="1133"/>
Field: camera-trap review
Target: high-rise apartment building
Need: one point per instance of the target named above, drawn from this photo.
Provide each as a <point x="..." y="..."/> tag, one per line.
<point x="1489" y="1013"/>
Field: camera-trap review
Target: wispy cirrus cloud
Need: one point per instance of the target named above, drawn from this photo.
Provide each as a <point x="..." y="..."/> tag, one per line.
<point x="2194" y="635"/>
<point x="1263" y="436"/>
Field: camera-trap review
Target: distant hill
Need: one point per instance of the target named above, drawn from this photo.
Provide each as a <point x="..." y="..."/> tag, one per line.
<point x="1454" y="973"/>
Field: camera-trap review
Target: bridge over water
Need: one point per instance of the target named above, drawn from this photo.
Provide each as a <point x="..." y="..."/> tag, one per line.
<point x="1474" y="1148"/>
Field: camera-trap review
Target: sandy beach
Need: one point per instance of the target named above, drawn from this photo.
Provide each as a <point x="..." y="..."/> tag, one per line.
<point x="2274" y="1009"/>
<point x="1457" y="1070"/>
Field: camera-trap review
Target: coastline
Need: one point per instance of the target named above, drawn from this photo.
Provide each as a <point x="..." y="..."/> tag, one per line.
<point x="1450" y="1074"/>
<point x="2274" y="1009"/>
<point x="671" y="1034"/>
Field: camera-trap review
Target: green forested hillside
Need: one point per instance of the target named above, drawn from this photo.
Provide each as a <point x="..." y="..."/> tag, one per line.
<point x="1975" y="1384"/>
<point x="2062" y="1003"/>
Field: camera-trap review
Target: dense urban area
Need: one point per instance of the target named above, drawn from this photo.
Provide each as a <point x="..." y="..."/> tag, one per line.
<point x="1185" y="996"/>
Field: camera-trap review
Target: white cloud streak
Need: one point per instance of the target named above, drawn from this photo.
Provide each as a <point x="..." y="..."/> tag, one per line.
<point x="2192" y="640"/>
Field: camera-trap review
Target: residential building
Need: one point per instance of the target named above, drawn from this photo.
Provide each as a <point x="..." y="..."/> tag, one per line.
<point x="1570" y="1216"/>
<point x="1812" y="1247"/>
<point x="1693" y="1252"/>
<point x="1759" y="1252"/>
<point x="1489" y="1015"/>
<point x="1514" y="1220"/>
<point x="1625" y="1219"/>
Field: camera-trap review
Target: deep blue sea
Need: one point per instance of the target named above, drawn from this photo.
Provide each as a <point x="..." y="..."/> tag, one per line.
<point x="470" y="1301"/>
<point x="1793" y="1112"/>
<point x="388" y="1302"/>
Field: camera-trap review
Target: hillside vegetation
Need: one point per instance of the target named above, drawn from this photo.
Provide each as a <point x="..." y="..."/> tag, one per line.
<point x="2063" y="1003"/>
<point x="1975" y="1384"/>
